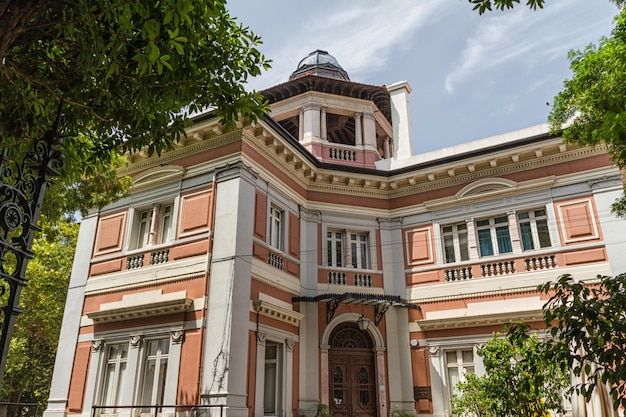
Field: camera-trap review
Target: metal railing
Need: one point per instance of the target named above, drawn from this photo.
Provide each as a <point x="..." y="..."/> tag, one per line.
<point x="11" y="409"/>
<point x="197" y="410"/>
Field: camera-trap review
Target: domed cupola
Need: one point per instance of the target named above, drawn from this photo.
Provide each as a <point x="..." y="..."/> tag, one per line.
<point x="322" y="64"/>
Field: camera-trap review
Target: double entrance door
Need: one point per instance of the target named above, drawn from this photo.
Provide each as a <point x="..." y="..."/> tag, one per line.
<point x="352" y="382"/>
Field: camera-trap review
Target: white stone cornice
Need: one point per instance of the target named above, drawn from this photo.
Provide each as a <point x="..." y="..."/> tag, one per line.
<point x="178" y="153"/>
<point x="279" y="313"/>
<point x="144" y="304"/>
<point x="476" y="321"/>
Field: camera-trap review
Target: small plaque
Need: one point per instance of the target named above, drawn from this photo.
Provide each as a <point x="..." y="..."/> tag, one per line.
<point x="422" y="393"/>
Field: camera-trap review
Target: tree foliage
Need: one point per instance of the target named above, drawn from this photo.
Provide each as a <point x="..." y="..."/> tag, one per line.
<point x="33" y="346"/>
<point x="130" y="74"/>
<point x="520" y="379"/>
<point x="488" y="5"/>
<point x="588" y="330"/>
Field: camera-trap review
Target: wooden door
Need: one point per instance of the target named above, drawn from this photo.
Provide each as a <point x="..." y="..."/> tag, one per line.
<point x="352" y="384"/>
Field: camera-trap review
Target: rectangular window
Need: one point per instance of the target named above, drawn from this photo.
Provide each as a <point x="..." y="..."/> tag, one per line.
<point x="155" y="371"/>
<point x="147" y="231"/>
<point x="272" y="386"/>
<point x="455" y="247"/>
<point x="534" y="231"/>
<point x="165" y="224"/>
<point x="359" y="246"/>
<point x="334" y="248"/>
<point x="114" y="372"/>
<point x="494" y="237"/>
<point x="459" y="363"/>
<point x="276" y="228"/>
<point x="143" y="231"/>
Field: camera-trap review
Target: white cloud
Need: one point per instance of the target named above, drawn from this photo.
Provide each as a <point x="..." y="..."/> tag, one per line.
<point x="524" y="38"/>
<point x="362" y="35"/>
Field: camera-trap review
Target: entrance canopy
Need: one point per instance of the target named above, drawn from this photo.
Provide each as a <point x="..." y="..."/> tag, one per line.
<point x="380" y="302"/>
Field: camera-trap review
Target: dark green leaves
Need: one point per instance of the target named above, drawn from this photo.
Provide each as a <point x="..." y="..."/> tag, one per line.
<point x="521" y="378"/>
<point x="587" y="322"/>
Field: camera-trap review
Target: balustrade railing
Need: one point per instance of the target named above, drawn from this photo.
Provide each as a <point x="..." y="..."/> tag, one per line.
<point x="342" y="154"/>
<point x="497" y="268"/>
<point x="135" y="261"/>
<point x="337" y="278"/>
<point x="362" y="280"/>
<point x="276" y="261"/>
<point x="458" y="274"/>
<point x="541" y="262"/>
<point x="159" y="256"/>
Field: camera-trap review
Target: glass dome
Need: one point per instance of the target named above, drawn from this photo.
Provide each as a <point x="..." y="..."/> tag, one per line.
<point x="320" y="63"/>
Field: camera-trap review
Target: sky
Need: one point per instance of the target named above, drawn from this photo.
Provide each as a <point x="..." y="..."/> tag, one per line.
<point x="472" y="76"/>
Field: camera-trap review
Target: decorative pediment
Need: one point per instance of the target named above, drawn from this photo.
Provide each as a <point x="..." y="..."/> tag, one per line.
<point x="490" y="189"/>
<point x="158" y="175"/>
<point x="486" y="185"/>
<point x="143" y="304"/>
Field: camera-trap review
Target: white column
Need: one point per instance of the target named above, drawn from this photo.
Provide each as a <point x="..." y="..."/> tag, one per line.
<point x="386" y="149"/>
<point x="259" y="386"/>
<point x="472" y="245"/>
<point x="224" y="373"/>
<point x="383" y="410"/>
<point x="154" y="224"/>
<point x="348" y="246"/>
<point x="311" y="122"/>
<point x="401" y="119"/>
<point x="358" y="132"/>
<point x="437" y="382"/>
<point x="64" y="361"/>
<point x="131" y="380"/>
<point x="324" y="133"/>
<point x="399" y="360"/>
<point x="288" y="378"/>
<point x="95" y="363"/>
<point x="369" y="130"/>
<point x="308" y="344"/>
<point x="516" y="242"/>
<point x="324" y="397"/>
<point x="300" y="125"/>
<point x="173" y="368"/>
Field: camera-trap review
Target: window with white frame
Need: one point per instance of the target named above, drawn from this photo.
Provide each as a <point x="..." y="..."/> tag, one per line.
<point x="347" y="249"/>
<point x="455" y="246"/>
<point x="494" y="237"/>
<point x="152" y="226"/>
<point x="533" y="227"/>
<point x="334" y="248"/>
<point x="459" y="363"/>
<point x="154" y="372"/>
<point x="272" y="386"/>
<point x="276" y="232"/>
<point x="114" y="373"/>
<point x="359" y="247"/>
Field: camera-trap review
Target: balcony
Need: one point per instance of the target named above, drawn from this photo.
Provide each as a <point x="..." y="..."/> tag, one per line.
<point x="499" y="268"/>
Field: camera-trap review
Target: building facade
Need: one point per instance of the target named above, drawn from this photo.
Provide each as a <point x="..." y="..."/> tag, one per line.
<point x="310" y="258"/>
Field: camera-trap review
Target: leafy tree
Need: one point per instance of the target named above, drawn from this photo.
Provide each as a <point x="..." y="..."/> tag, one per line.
<point x="588" y="329"/>
<point x="36" y="333"/>
<point x="520" y="379"/>
<point x="591" y="108"/>
<point x="129" y="74"/>
<point x="487" y="5"/>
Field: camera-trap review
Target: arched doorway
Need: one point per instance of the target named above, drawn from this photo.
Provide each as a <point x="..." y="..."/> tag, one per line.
<point x="352" y="372"/>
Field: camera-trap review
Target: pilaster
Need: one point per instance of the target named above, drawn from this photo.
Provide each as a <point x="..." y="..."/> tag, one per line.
<point x="226" y="341"/>
<point x="64" y="361"/>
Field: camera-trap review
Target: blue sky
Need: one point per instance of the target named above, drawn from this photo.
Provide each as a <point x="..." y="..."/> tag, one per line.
<point x="472" y="76"/>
